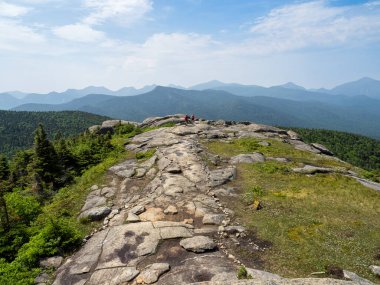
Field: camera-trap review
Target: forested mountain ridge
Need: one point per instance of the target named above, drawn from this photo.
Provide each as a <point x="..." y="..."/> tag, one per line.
<point x="351" y="114"/>
<point x="16" y="128"/>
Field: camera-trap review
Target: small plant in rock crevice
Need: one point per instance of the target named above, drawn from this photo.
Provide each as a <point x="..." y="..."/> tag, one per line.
<point x="243" y="273"/>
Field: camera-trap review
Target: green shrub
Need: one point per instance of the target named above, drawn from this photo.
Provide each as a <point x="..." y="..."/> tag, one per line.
<point x="22" y="208"/>
<point x="253" y="194"/>
<point x="56" y="237"/>
<point x="243" y="273"/>
<point x="16" y="274"/>
<point x="371" y="175"/>
<point x="248" y="145"/>
<point x="124" y="129"/>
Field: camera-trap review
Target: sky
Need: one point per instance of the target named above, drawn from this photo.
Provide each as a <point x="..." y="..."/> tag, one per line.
<point x="48" y="45"/>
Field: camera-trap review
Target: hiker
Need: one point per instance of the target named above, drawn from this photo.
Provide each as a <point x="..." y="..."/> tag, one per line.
<point x="186" y="118"/>
<point x="193" y="117"/>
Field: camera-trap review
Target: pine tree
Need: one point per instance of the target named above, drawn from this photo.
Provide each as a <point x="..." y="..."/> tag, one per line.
<point x="4" y="175"/>
<point x="44" y="168"/>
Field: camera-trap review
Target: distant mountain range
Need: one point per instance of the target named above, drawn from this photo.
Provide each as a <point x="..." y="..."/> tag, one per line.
<point x="352" y="107"/>
<point x="9" y="100"/>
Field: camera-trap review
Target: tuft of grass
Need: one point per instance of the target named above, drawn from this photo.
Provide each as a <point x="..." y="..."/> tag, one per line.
<point x="252" y="194"/>
<point x="145" y="154"/>
<point x="312" y="222"/>
<point x="243" y="273"/>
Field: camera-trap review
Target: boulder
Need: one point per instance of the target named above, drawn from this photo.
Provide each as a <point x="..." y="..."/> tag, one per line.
<point x="293" y="135"/>
<point x="262" y="275"/>
<point x="114" y="123"/>
<point x="171" y="210"/>
<point x="43" y="278"/>
<point x="248" y="158"/>
<point x="309" y="169"/>
<point x="322" y="149"/>
<point x="175" y="232"/>
<point x="113" y="276"/>
<point x="51" y="262"/>
<point x="221" y="176"/>
<point x="137" y="210"/>
<point x="152" y="214"/>
<point x="300" y="145"/>
<point x="198" y="244"/>
<point x="95" y="214"/>
<point x="375" y="269"/>
<point x="213" y="219"/>
<point x="132" y="218"/>
<point x="356" y="278"/>
<point x="264" y="143"/>
<point x="152" y="272"/>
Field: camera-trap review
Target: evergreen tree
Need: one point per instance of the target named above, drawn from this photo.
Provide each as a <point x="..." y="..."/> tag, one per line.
<point x="4" y="175"/>
<point x="19" y="175"/>
<point x="45" y="167"/>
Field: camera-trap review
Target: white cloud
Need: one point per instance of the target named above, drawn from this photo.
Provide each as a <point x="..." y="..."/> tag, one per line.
<point x="11" y="10"/>
<point x="79" y="33"/>
<point x="124" y="11"/>
<point x="15" y="36"/>
<point x="314" y="24"/>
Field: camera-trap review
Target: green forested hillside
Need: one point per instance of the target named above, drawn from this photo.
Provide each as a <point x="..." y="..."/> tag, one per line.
<point x="358" y="150"/>
<point x="40" y="192"/>
<point x="16" y="128"/>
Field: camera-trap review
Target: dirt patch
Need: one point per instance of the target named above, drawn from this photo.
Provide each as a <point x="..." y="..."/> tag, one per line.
<point x="334" y="272"/>
<point x="248" y="249"/>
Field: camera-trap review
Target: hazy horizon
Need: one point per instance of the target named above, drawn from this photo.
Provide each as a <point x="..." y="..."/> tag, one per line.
<point x="175" y="86"/>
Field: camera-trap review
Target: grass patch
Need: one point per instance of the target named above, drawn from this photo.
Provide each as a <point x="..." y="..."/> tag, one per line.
<point x="314" y="221"/>
<point x="276" y="149"/>
<point x="143" y="155"/>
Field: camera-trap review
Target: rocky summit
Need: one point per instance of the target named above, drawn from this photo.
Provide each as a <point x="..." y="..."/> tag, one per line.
<point x="164" y="221"/>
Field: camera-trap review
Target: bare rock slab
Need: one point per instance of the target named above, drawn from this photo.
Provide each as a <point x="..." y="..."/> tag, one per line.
<point x="198" y="244"/>
<point x="113" y="276"/>
<point x="125" y="245"/>
<point x="152" y="272"/>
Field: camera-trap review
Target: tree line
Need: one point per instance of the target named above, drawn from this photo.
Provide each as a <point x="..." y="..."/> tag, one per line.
<point x="29" y="181"/>
<point x="358" y="150"/>
<point x="16" y="128"/>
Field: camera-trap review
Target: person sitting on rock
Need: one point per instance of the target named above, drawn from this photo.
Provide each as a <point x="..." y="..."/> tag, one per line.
<point x="193" y="117"/>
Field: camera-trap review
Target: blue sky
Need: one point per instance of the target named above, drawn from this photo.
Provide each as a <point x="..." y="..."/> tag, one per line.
<point x="58" y="44"/>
